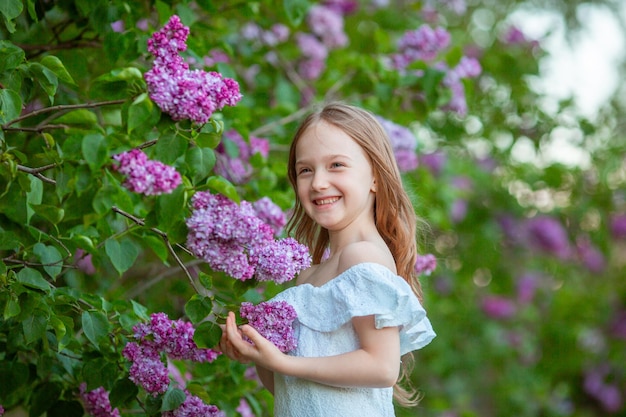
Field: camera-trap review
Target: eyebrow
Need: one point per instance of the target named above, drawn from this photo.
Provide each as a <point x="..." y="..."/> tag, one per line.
<point x="334" y="156"/>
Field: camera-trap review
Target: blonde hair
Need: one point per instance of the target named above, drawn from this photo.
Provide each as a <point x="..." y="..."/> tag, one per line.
<point x="394" y="214"/>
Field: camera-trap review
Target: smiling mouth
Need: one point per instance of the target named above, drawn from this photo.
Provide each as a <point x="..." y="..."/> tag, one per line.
<point x="324" y="201"/>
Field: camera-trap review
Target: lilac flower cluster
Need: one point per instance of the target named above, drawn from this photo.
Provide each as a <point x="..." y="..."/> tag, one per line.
<point x="425" y="264"/>
<point x="179" y="91"/>
<point x="546" y="234"/>
<point x="598" y="385"/>
<point x="194" y="407"/>
<point x="274" y="321"/>
<point x="465" y="69"/>
<point x="97" y="402"/>
<point x="326" y="24"/>
<point x="237" y="168"/>
<point x="233" y="238"/>
<point x="270" y="213"/>
<point x="422" y="44"/>
<point x="161" y="336"/>
<point x="1" y="411"/>
<point x="146" y="176"/>
<point x="404" y="144"/>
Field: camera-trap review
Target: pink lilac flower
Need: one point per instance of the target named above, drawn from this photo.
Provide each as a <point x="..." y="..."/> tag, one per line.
<point x="179" y="91"/>
<point x="118" y="26"/>
<point x="342" y="7"/>
<point x="270" y="213"/>
<point x="244" y="408"/>
<point x="280" y="261"/>
<point x="422" y="44"/>
<point x="84" y="262"/>
<point x="527" y="287"/>
<point x="466" y="68"/>
<point x="96" y="402"/>
<point x="618" y="325"/>
<point x="498" y="307"/>
<point x="590" y="255"/>
<point x="607" y="394"/>
<point x="545" y="233"/>
<point x="194" y="407"/>
<point x="274" y="321"/>
<point x="425" y="264"/>
<point x="1" y="411"/>
<point x="232" y="238"/>
<point x="311" y="47"/>
<point x="404" y="144"/>
<point x="434" y="162"/>
<point x="161" y="337"/>
<point x="327" y="24"/>
<point x="235" y="165"/>
<point x="618" y="226"/>
<point x="146" y="176"/>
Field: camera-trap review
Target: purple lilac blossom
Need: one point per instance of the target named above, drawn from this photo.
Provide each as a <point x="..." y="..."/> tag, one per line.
<point x="146" y="176"/>
<point x="194" y="407"/>
<point x="404" y="144"/>
<point x="161" y="336"/>
<point x="422" y="44"/>
<point x="270" y="213"/>
<point x="434" y="161"/>
<point x="244" y="408"/>
<point x="118" y="26"/>
<point x="327" y="24"/>
<point x="607" y="394"/>
<point x="618" y="325"/>
<point x="237" y="168"/>
<point x="466" y="68"/>
<point x="590" y="255"/>
<point x="497" y="307"/>
<point x="232" y="238"/>
<point x="1" y="411"/>
<point x="280" y="261"/>
<point x="527" y="287"/>
<point x="343" y="7"/>
<point x="179" y="91"/>
<point x="425" y="264"/>
<point x="274" y="321"/>
<point x="545" y="233"/>
<point x="96" y="402"/>
<point x="618" y="226"/>
<point x="83" y="262"/>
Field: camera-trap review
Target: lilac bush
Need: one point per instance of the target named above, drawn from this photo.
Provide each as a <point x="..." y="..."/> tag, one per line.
<point x="96" y="402"/>
<point x="145" y="176"/>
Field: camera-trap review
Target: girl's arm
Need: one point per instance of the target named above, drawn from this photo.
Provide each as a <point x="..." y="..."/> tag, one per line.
<point x="375" y="364"/>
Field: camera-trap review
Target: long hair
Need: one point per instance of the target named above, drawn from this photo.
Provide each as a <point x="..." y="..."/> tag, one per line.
<point x="394" y="214"/>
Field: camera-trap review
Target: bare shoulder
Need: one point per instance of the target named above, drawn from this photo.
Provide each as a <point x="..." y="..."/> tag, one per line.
<point x="304" y="276"/>
<point x="366" y="251"/>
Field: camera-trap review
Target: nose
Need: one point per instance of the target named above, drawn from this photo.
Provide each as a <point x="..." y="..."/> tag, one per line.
<point x="320" y="181"/>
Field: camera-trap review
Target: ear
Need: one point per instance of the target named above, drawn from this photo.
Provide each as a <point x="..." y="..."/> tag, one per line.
<point x="373" y="186"/>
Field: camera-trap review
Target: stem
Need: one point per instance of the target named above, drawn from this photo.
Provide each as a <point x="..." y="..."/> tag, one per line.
<point x="37" y="129"/>
<point x="63" y="108"/>
<point x="167" y="242"/>
<point x="37" y="172"/>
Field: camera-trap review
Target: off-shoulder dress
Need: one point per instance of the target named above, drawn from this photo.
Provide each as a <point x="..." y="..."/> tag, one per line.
<point x="324" y="328"/>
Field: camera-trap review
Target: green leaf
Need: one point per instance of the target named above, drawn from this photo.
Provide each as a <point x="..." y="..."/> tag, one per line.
<point x="205" y="280"/>
<point x="123" y="391"/>
<point x="10" y="105"/>
<point x="44" y="397"/>
<point x="225" y="187"/>
<point x="118" y="84"/>
<point x="78" y="117"/>
<point x="53" y="214"/>
<point x="34" y="196"/>
<point x="95" y="326"/>
<point x="66" y="409"/>
<point x="55" y="65"/>
<point x="170" y="147"/>
<point x="94" y="150"/>
<point x="32" y="278"/>
<point x="170" y="208"/>
<point x="200" y="161"/>
<point x="296" y="10"/>
<point x="11" y="308"/>
<point x="207" y="335"/>
<point x="99" y="372"/>
<point x="11" y="56"/>
<point x="34" y="326"/>
<point x="142" y="111"/>
<point x="51" y="259"/>
<point x="172" y="399"/>
<point x="10" y="9"/>
<point x="47" y="79"/>
<point x="122" y="254"/>
<point x="198" y="308"/>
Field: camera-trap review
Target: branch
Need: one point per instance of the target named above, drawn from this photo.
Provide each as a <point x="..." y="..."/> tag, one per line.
<point x="163" y="235"/>
<point x="37" y="172"/>
<point x="37" y="129"/>
<point x="287" y="119"/>
<point x="63" y="108"/>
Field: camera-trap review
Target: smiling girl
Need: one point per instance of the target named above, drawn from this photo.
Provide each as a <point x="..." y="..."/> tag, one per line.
<point x="358" y="305"/>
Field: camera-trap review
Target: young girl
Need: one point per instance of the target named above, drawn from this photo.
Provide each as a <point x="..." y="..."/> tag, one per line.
<point x="359" y="306"/>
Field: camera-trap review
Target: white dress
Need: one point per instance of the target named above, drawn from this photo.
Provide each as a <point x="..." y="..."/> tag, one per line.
<point x="324" y="328"/>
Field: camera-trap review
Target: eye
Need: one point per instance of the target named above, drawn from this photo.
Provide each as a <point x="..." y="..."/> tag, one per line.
<point x="303" y="171"/>
<point x="337" y="165"/>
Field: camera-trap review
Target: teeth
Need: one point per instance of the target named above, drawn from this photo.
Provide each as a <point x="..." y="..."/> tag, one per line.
<point x="326" y="201"/>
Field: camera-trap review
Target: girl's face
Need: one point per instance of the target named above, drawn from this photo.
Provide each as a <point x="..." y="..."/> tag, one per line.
<point x="335" y="183"/>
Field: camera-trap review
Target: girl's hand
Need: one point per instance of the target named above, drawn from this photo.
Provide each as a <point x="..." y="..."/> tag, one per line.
<point x="262" y="352"/>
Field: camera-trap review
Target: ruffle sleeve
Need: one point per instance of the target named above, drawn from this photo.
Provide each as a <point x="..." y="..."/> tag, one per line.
<point x="362" y="290"/>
